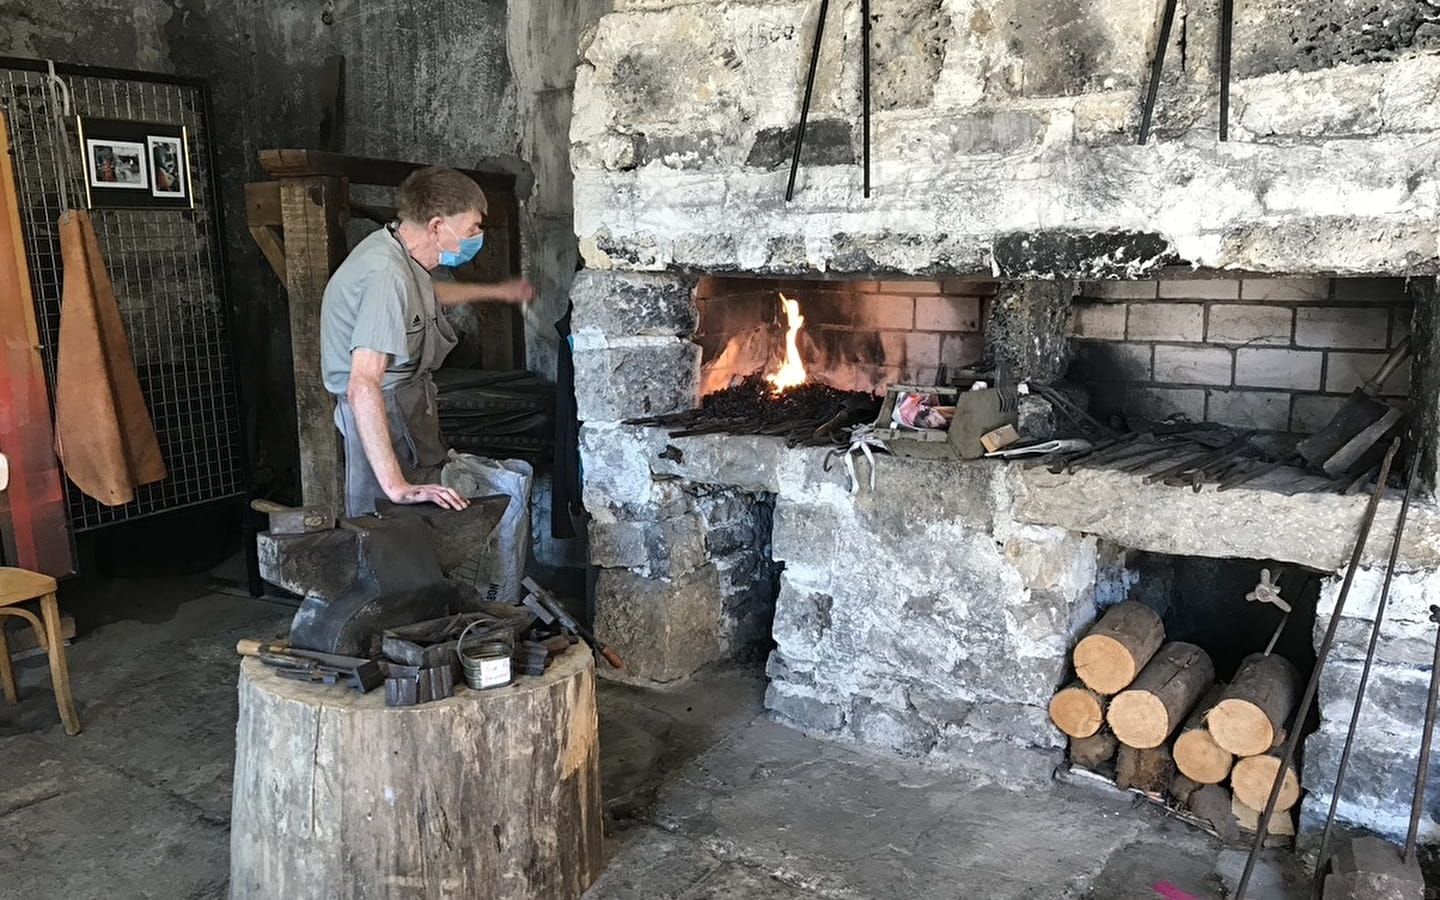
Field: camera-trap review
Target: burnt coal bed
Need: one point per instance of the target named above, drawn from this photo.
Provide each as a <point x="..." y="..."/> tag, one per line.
<point x="809" y="414"/>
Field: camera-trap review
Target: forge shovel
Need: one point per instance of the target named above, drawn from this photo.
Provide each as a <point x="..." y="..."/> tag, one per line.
<point x="1359" y="418"/>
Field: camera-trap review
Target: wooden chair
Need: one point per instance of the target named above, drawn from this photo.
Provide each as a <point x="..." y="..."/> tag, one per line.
<point x="21" y="586"/>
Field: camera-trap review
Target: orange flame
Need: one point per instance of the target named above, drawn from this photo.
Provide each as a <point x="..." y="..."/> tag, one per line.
<point x="792" y="372"/>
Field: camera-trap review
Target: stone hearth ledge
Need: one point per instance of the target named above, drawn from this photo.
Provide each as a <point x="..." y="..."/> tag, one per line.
<point x="934" y="615"/>
<point x="1312" y="529"/>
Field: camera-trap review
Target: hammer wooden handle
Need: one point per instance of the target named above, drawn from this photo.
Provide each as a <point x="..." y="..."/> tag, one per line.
<point x="249" y="647"/>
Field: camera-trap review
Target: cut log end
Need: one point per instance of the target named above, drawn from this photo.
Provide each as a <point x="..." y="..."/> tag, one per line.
<point x="1139" y="719"/>
<point x="1118" y="646"/>
<point x="1253" y="777"/>
<point x="1104" y="664"/>
<point x="1077" y="711"/>
<point x="1201" y="759"/>
<point x="1252" y="712"/>
<point x="1170" y="685"/>
<point x="1241" y="727"/>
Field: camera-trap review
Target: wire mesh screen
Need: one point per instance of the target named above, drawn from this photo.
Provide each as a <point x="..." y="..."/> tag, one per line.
<point x="166" y="270"/>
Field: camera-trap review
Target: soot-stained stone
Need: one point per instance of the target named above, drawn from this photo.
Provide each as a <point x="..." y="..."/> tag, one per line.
<point x="685" y="151"/>
<point x="1299" y="37"/>
<point x="828" y="142"/>
<point x="1026" y="331"/>
<point x="1106" y="361"/>
<point x="908" y="47"/>
<point x="1086" y="254"/>
<point x="1065" y="45"/>
<point x="624" y="304"/>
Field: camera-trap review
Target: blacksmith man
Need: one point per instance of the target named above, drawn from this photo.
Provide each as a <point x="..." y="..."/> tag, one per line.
<point x="382" y="334"/>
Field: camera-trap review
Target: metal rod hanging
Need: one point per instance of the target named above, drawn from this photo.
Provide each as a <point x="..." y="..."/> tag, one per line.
<point x="1157" y="64"/>
<point x="865" y="84"/>
<point x="805" y="106"/>
<point x="1422" y="770"/>
<point x="1227" y="30"/>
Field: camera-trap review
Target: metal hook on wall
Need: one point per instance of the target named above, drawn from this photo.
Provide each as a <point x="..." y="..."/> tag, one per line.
<point x="60" y="110"/>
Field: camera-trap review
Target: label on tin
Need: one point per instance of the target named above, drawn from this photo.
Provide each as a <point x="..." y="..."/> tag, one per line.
<point x="494" y="672"/>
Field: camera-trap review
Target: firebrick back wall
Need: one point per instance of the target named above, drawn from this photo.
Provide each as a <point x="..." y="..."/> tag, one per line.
<point x="1277" y="354"/>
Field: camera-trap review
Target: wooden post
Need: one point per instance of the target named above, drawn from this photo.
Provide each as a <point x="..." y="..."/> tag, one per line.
<point x="310" y="208"/>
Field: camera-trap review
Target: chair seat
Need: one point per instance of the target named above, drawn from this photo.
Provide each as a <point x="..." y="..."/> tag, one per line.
<point x="19" y="585"/>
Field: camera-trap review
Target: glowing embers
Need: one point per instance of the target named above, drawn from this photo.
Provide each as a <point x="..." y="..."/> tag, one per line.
<point x="792" y="371"/>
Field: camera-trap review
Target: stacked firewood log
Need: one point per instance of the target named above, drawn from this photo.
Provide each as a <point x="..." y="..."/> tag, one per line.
<point x="1154" y="710"/>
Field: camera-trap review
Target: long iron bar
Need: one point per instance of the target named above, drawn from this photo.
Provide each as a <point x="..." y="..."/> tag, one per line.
<point x="1422" y="770"/>
<point x="805" y="106"/>
<point x="1227" y="31"/>
<point x="1411" y="478"/>
<point x="1166" y="20"/>
<point x="865" y="84"/>
<point x="1321" y="654"/>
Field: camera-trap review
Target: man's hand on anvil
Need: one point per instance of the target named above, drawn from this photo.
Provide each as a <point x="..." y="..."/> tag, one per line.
<point x="438" y="494"/>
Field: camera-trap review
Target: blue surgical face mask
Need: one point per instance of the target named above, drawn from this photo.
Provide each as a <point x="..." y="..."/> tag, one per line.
<point x="468" y="248"/>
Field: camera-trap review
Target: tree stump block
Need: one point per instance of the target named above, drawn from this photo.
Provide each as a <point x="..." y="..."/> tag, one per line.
<point x="491" y="794"/>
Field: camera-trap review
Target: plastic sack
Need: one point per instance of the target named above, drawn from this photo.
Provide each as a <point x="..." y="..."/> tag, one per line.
<point x="496" y="568"/>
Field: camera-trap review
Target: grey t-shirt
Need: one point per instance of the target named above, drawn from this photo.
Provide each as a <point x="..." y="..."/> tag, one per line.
<point x="378" y="299"/>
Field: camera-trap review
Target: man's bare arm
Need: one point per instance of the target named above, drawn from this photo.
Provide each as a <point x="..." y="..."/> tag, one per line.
<point x="459" y="293"/>
<point x="367" y="369"/>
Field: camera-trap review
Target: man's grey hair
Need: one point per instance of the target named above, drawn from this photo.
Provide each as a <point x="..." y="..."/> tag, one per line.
<point x="427" y="193"/>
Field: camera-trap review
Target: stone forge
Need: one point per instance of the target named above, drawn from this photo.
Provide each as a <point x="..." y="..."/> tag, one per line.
<point x="934" y="615"/>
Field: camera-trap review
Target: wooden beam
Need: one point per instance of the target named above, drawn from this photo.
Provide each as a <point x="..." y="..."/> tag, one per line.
<point x="263" y="216"/>
<point x="313" y="248"/>
<point x="271" y="242"/>
<point x="262" y="204"/>
<point x="296" y="163"/>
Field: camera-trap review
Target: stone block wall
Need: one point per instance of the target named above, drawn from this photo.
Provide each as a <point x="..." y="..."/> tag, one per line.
<point x="920" y="621"/>
<point x="1004" y="140"/>
<point x="1380" y="780"/>
<point x="1279" y="354"/>
<point x="858" y="335"/>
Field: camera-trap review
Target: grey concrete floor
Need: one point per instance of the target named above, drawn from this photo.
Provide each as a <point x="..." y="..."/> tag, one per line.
<point x="706" y="798"/>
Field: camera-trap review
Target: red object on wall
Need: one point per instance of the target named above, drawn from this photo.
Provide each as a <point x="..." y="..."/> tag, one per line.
<point x="34" y="530"/>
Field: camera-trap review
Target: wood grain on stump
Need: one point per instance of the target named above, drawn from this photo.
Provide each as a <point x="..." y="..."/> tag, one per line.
<point x="1118" y="646"/>
<point x="1077" y="710"/>
<point x="1161" y="696"/>
<point x="491" y="794"/>
<point x="1253" y="777"/>
<point x="1251" y="714"/>
<point x="1196" y="753"/>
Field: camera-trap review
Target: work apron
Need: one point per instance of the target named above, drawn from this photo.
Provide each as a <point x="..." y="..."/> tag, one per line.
<point x="411" y="414"/>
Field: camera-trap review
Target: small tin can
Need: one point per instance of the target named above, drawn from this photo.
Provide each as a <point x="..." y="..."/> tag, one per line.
<point x="487" y="665"/>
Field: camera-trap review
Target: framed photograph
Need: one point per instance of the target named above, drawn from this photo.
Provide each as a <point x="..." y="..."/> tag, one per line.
<point x="116" y="164"/>
<point x="135" y="165"/>
<point x="167" y="166"/>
